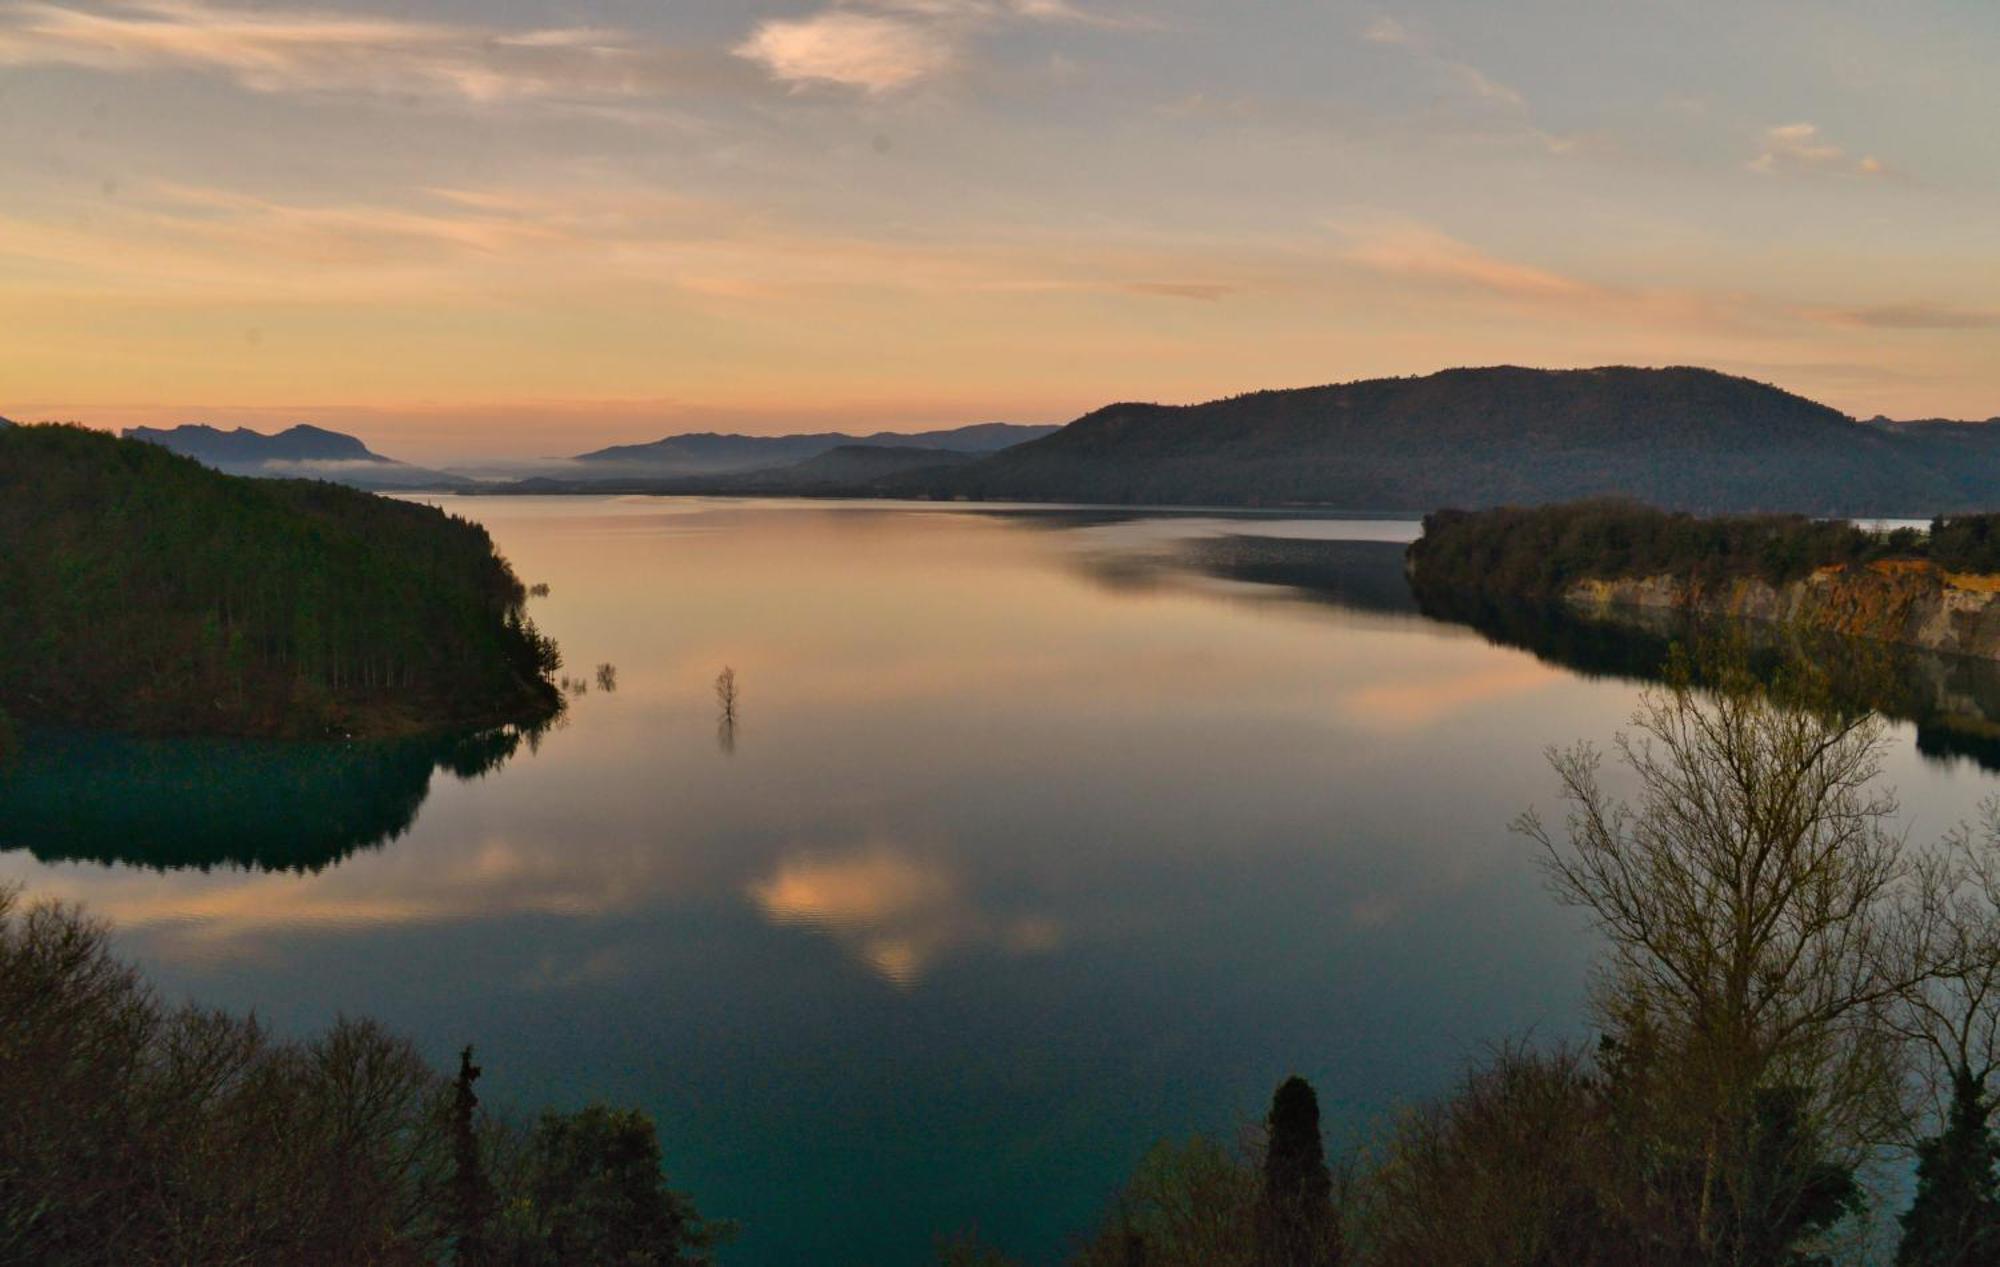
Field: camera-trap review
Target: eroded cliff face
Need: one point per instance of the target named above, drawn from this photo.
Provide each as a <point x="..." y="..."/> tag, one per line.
<point x="1905" y="602"/>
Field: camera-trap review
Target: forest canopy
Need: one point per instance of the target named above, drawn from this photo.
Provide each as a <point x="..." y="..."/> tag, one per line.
<point x="141" y="591"/>
<point x="1539" y="552"/>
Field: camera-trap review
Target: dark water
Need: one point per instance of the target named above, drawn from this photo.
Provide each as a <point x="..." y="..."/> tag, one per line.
<point x="1039" y="836"/>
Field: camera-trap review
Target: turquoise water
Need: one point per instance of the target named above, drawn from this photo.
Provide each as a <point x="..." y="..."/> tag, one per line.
<point x="1038" y="836"/>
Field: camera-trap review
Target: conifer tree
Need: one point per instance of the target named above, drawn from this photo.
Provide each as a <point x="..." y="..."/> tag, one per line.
<point x="472" y="1195"/>
<point x="1955" y="1219"/>
<point x="1295" y="1220"/>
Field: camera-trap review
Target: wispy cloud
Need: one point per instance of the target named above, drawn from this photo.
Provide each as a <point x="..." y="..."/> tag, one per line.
<point x="1801" y="147"/>
<point x="1492" y="106"/>
<point x="1419" y="252"/>
<point x="880" y="46"/>
<point x="1910" y="316"/>
<point x="306" y="50"/>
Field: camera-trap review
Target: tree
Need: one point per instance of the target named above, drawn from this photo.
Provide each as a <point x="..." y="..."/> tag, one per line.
<point x="472" y="1195"/>
<point x="1295" y="1225"/>
<point x="1955" y="1218"/>
<point x="590" y="1190"/>
<point x="1757" y="904"/>
<point x="1187" y="1205"/>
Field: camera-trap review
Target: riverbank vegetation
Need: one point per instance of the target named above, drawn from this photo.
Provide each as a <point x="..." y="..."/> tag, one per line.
<point x="133" y="1132"/>
<point x="141" y="591"/>
<point x="1540" y="552"/>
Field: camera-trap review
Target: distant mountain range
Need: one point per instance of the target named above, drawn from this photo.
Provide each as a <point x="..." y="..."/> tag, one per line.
<point x="1680" y="437"/>
<point x="707" y="453"/>
<point x="301" y="452"/>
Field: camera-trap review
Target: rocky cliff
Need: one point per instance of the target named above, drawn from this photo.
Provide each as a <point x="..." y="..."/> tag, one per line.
<point x="1908" y="603"/>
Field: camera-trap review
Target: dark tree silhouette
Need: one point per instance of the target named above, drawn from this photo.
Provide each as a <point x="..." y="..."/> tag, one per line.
<point x="1296" y="1225"/>
<point x="1955" y="1219"/>
<point x="471" y="1194"/>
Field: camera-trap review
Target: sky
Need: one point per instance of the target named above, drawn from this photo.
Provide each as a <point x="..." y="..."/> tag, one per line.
<point x="466" y="228"/>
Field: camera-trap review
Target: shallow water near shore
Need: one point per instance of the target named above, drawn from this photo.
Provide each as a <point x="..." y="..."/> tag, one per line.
<point x="1038" y="835"/>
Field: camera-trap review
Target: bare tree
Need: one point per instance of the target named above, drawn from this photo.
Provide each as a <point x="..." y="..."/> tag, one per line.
<point x="1758" y="903"/>
<point x="1951" y="1016"/>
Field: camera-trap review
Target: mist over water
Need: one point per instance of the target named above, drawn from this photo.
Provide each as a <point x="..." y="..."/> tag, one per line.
<point x="1032" y="836"/>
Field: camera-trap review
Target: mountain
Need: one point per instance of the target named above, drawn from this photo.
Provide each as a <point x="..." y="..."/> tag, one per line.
<point x="300" y="452"/>
<point x="708" y="453"/>
<point x="1679" y="437"/>
<point x="864" y="464"/>
<point x="212" y="604"/>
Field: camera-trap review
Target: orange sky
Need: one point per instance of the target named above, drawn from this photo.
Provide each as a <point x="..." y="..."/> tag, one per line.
<point x="463" y="230"/>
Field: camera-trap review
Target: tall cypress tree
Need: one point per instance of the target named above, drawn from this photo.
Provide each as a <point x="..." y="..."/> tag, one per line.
<point x="1955" y="1219"/>
<point x="472" y="1195"/>
<point x="1295" y="1226"/>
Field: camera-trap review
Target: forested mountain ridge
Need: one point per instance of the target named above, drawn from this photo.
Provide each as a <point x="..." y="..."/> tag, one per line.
<point x="710" y="453"/>
<point x="140" y="590"/>
<point x="1679" y="437"/>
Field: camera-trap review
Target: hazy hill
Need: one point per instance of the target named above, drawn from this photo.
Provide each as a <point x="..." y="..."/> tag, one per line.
<point x="1680" y="437"/>
<point x="865" y="464"/>
<point x="303" y="452"/>
<point x="709" y="453"/>
<point x="140" y="590"/>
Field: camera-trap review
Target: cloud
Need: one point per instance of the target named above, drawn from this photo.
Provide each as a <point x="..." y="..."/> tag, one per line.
<point x="278" y="50"/>
<point x="1386" y="30"/>
<point x="896" y="913"/>
<point x="1492" y="106"/>
<point x="854" y="50"/>
<point x="1910" y="316"/>
<point x="1424" y="253"/>
<point x="1205" y="291"/>
<point x="1800" y="147"/>
<point x="880" y="46"/>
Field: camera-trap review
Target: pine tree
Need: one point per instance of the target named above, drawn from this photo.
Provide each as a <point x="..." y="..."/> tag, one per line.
<point x="1955" y="1219"/>
<point x="1295" y="1226"/>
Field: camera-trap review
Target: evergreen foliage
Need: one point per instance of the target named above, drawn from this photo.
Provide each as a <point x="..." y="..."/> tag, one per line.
<point x="1955" y="1219"/>
<point x="1295" y="1227"/>
<point x="140" y="590"/>
<point x="1539" y="553"/>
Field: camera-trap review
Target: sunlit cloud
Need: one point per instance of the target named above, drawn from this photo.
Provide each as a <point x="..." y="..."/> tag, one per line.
<point x="1420" y="252"/>
<point x="854" y="50"/>
<point x="882" y="46"/>
<point x="1801" y="147"/>
<point x="897" y="913"/>
<point x="276" y="50"/>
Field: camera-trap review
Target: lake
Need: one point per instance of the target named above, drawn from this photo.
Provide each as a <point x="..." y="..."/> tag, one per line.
<point x="1038" y="836"/>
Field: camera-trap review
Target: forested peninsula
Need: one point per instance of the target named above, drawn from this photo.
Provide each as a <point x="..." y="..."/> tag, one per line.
<point x="1937" y="590"/>
<point x="143" y="592"/>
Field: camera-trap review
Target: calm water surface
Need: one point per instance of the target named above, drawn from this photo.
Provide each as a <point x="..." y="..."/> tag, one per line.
<point x="1040" y="836"/>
